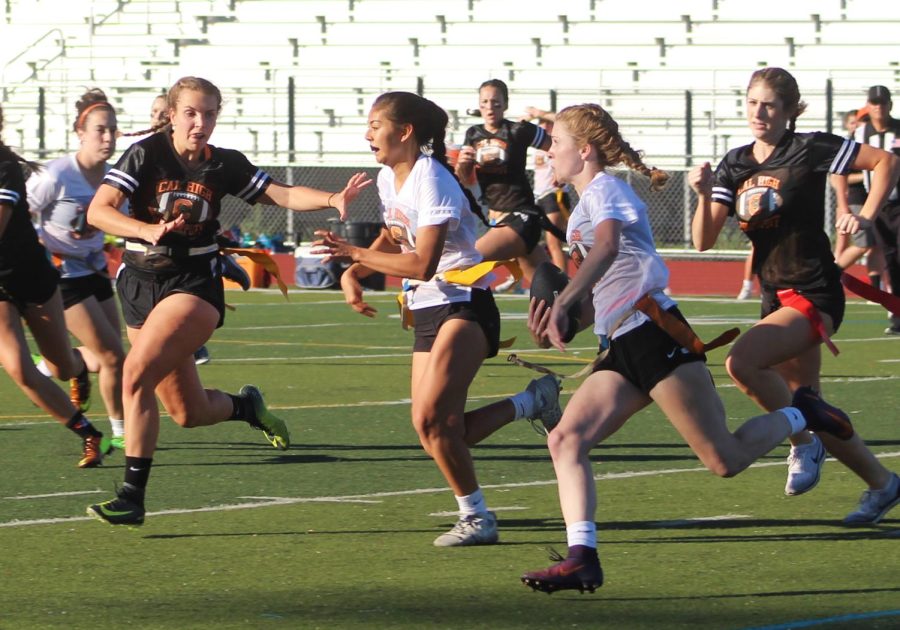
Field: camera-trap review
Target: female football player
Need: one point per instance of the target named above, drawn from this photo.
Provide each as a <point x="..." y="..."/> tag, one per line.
<point x="430" y="230"/>
<point x="170" y="287"/>
<point x="775" y="186"/>
<point x="59" y="194"/>
<point x="495" y="153"/>
<point x="29" y="290"/>
<point x="652" y="355"/>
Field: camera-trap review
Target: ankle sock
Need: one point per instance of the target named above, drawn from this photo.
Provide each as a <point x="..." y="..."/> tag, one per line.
<point x="472" y="504"/>
<point x="582" y="533"/>
<point x="82" y="426"/>
<point x="524" y="404"/>
<point x="137" y="471"/>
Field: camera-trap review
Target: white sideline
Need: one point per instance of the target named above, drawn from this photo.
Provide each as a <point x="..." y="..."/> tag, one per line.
<point x="271" y="501"/>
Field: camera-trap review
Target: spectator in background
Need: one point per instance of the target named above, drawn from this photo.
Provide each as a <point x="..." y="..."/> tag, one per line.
<point x="883" y="131"/>
<point x="850" y="193"/>
<point x="59" y="195"/>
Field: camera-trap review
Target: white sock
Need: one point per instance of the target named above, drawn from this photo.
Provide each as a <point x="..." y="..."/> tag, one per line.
<point x="747" y="284"/>
<point x="582" y="533"/>
<point x="118" y="427"/>
<point x="795" y="418"/>
<point x="472" y="504"/>
<point x="43" y="369"/>
<point x="524" y="404"/>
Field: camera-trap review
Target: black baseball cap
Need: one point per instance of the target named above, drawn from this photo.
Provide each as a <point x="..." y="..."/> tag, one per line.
<point x="879" y="94"/>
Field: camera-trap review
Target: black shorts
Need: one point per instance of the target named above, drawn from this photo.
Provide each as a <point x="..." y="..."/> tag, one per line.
<point x="139" y="291"/>
<point x="29" y="282"/>
<point x="77" y="290"/>
<point x="482" y="309"/>
<point x="829" y="300"/>
<point x="527" y="225"/>
<point x="550" y="203"/>
<point x="647" y="354"/>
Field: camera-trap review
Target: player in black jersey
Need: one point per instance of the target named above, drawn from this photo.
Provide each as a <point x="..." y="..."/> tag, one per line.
<point x="29" y="290"/>
<point x="495" y="153"/>
<point x="170" y="286"/>
<point x="775" y="186"/>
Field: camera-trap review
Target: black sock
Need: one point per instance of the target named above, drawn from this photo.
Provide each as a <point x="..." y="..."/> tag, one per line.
<point x="137" y="472"/>
<point x="582" y="552"/>
<point x="82" y="426"/>
<point x="875" y="280"/>
<point x="241" y="408"/>
<point x="84" y="370"/>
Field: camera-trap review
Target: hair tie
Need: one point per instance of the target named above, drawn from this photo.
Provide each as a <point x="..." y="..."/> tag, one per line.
<point x="79" y="124"/>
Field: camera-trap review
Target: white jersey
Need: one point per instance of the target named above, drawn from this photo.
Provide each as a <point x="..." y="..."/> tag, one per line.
<point x="59" y="196"/>
<point x="432" y="196"/>
<point x="636" y="271"/>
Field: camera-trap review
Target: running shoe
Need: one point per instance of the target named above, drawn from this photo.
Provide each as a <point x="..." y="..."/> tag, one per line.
<point x="804" y="467"/>
<point x="892" y="330"/>
<point x="572" y="573"/>
<point x="820" y="416"/>
<point x="875" y="504"/>
<point x="273" y="428"/>
<point x="231" y="270"/>
<point x="118" y="441"/>
<point x="95" y="448"/>
<point x="547" y="411"/>
<point x="123" y="510"/>
<point x="510" y="285"/>
<point x="80" y="389"/>
<point x="201" y="356"/>
<point x="745" y="294"/>
<point x="472" y="529"/>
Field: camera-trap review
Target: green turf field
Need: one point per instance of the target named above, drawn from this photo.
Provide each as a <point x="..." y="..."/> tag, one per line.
<point x="337" y="531"/>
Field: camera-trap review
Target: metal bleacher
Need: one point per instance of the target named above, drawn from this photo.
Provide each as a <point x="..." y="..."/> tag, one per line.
<point x="637" y="59"/>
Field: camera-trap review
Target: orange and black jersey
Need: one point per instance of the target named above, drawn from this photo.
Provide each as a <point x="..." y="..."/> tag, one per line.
<point x="502" y="162"/>
<point x="161" y="186"/>
<point x="780" y="205"/>
<point x="18" y="240"/>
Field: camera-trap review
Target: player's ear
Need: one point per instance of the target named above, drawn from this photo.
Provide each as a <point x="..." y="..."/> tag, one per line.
<point x="407" y="132"/>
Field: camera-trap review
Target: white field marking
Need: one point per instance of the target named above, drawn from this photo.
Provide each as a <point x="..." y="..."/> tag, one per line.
<point x="511" y="508"/>
<point x="398" y="493"/>
<point x="55" y="494"/>
<point x="406" y="401"/>
<point x="331" y="325"/>
<point x="700" y="519"/>
<point x="325" y="500"/>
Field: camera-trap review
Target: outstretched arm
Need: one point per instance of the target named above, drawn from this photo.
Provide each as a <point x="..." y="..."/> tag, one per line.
<point x="304" y="199"/>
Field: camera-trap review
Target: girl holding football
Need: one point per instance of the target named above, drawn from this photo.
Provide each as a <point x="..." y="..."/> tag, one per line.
<point x="775" y="187"/>
<point x="651" y="354"/>
<point x="170" y="287"/>
<point x="430" y="231"/>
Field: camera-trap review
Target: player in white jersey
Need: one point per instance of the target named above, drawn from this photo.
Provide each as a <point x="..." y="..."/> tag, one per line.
<point x="430" y="233"/>
<point x="59" y="195"/>
<point x="652" y="353"/>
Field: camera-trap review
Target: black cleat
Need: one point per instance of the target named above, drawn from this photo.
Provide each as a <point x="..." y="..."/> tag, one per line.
<point x="581" y="574"/>
<point x="231" y="270"/>
<point x="820" y="416"/>
<point x="122" y="510"/>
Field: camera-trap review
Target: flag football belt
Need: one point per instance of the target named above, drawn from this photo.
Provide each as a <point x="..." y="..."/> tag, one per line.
<point x="265" y="260"/>
<point x="174" y="252"/>
<point x="681" y="332"/>
<point x="465" y="277"/>
<point x="865" y="290"/>
<point x="791" y="299"/>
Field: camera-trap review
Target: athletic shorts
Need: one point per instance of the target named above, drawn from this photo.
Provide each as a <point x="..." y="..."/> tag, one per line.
<point x="865" y="238"/>
<point x="647" y="354"/>
<point x="77" y="290"/>
<point x="482" y="309"/>
<point x="526" y="225"/>
<point x="32" y="282"/>
<point x="140" y="291"/>
<point x="550" y="204"/>
<point x="829" y="300"/>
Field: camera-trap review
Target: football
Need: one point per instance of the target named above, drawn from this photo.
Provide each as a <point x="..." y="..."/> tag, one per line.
<point x="548" y="282"/>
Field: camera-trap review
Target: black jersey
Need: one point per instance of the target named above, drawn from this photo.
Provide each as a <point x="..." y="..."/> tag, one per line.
<point x="501" y="159"/>
<point x="161" y="186"/>
<point x="18" y="241"/>
<point x="889" y="140"/>
<point x="780" y="205"/>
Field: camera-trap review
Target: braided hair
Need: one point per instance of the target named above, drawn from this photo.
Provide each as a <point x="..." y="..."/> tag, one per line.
<point x="591" y="124"/>
<point x="429" y="123"/>
<point x="197" y="84"/>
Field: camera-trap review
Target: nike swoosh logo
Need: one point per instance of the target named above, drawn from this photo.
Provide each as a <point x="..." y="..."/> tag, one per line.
<point x="669" y="355"/>
<point x="113" y="512"/>
<point x="576" y="568"/>
<point x="133" y="469"/>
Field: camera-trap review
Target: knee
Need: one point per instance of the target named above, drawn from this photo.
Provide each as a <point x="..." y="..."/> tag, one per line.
<point x="184" y="418"/>
<point x="564" y="445"/>
<point x="739" y="370"/>
<point x="430" y="426"/>
<point x="137" y="380"/>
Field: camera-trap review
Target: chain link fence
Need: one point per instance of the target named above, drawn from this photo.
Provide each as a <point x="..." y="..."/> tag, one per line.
<point x="670" y="211"/>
